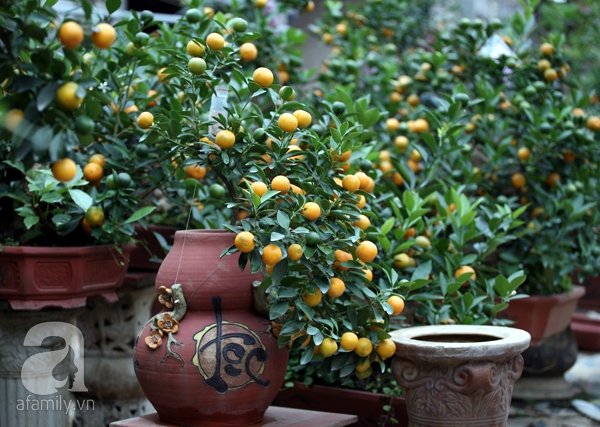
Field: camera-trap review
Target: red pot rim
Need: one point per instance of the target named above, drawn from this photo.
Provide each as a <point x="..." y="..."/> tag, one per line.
<point x="62" y="251"/>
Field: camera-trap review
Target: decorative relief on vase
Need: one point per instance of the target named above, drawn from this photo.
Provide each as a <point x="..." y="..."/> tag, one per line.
<point x="166" y="324"/>
<point x="475" y="393"/>
<point x="229" y="355"/>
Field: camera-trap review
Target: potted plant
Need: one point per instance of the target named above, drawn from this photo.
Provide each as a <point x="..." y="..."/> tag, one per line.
<point x="67" y="165"/>
<point x="528" y="145"/>
<point x="58" y="190"/>
<point x="279" y="185"/>
<point x="440" y="236"/>
<point x="174" y="188"/>
<point x="422" y="226"/>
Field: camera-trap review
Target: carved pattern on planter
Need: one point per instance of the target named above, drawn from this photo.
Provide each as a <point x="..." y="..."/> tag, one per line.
<point x="52" y="275"/>
<point x="473" y="393"/>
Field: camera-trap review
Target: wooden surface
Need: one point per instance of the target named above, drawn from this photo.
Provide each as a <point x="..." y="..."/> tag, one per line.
<point x="274" y="417"/>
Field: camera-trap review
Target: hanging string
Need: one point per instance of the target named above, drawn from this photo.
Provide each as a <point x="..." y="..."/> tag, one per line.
<point x="187" y="225"/>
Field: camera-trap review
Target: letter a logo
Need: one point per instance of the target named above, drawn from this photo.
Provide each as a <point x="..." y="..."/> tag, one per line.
<point x="36" y="373"/>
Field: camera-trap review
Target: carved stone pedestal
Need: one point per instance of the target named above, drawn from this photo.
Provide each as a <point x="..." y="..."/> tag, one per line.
<point x="458" y="375"/>
<point x="37" y="368"/>
<point x="110" y="331"/>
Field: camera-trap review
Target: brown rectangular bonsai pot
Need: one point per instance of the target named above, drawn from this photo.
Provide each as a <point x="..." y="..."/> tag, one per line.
<point x="32" y="278"/>
<point x="543" y="316"/>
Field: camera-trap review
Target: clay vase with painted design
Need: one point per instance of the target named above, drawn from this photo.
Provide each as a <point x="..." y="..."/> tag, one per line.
<point x="219" y="365"/>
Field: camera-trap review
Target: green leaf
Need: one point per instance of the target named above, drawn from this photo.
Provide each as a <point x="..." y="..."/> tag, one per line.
<point x="41" y="140"/>
<point x="371" y="117"/>
<point x="430" y="140"/>
<point x="501" y="285"/>
<point x="46" y="96"/>
<point x="93" y="108"/>
<point x="422" y="271"/>
<point x="468" y="299"/>
<point x="516" y="279"/>
<point x="269" y="194"/>
<point x="418" y="284"/>
<point x="139" y="214"/>
<point x="87" y="8"/>
<point x="467" y="218"/>
<point x="408" y="200"/>
<point x="61" y="219"/>
<point x="468" y="259"/>
<point x="52" y="198"/>
<point x="283" y="220"/>
<point x="499" y="307"/>
<point x="278" y="309"/>
<point x="275" y="236"/>
<point x="385" y="243"/>
<point x="308" y="354"/>
<point x="81" y="199"/>
<point x="387" y="226"/>
<point x="112" y="5"/>
<point x="309" y="311"/>
<point x="31" y="220"/>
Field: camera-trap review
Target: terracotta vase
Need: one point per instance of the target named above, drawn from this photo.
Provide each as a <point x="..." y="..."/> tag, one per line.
<point x="459" y="375"/>
<point x="33" y="278"/>
<point x="219" y="365"/>
<point x="543" y="316"/>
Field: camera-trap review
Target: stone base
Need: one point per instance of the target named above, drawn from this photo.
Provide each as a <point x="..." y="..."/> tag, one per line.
<point x="528" y="388"/>
<point x="274" y="417"/>
<point x="95" y="413"/>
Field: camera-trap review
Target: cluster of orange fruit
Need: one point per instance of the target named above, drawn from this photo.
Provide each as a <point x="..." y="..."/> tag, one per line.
<point x="71" y="35"/>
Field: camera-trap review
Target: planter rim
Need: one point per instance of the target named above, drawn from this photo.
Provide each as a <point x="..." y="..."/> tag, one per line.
<point x="504" y="343"/>
<point x="212" y="232"/>
<point x="60" y="251"/>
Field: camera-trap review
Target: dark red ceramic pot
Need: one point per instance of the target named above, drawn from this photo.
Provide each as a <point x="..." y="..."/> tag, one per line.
<point x="222" y="367"/>
<point x="543" y="316"/>
<point x="34" y="278"/>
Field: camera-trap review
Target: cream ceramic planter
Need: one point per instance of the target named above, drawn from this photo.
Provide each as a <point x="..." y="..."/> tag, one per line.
<point x="458" y="375"/>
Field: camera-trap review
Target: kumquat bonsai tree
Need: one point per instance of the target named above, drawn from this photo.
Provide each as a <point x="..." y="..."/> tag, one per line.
<point x="280" y="187"/>
<point x="428" y="223"/>
<point x="69" y="162"/>
<point x="531" y="137"/>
